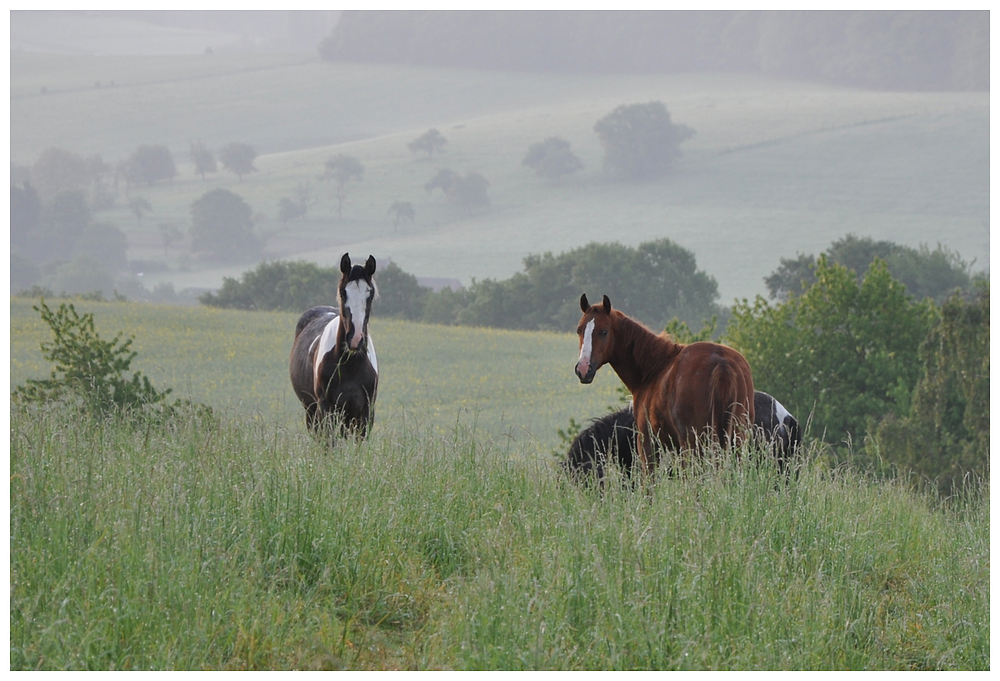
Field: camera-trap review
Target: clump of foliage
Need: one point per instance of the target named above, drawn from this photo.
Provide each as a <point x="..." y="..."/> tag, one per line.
<point x="640" y="141"/>
<point x="946" y="434"/>
<point x="844" y="352"/>
<point x="552" y="158"/>
<point x="654" y="282"/>
<point x="342" y="169"/>
<point x="222" y="227"/>
<point x="238" y="158"/>
<point x="925" y="273"/>
<point x="89" y="371"/>
<point x="469" y="190"/>
<point x="278" y="285"/>
<point x="428" y="143"/>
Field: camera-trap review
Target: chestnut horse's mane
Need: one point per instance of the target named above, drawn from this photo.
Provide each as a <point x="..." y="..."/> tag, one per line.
<point x="636" y="344"/>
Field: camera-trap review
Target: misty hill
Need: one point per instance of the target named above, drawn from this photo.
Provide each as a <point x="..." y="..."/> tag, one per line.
<point x="775" y="168"/>
<point x="881" y="50"/>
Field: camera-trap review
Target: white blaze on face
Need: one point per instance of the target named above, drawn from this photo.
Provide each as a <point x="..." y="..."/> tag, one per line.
<point x="357" y="293"/>
<point x="586" y="348"/>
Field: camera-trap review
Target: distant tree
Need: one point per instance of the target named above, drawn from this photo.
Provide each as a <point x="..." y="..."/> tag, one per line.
<point x="80" y="275"/>
<point x="342" y="169"/>
<point x="203" y="159"/>
<point x="58" y="170"/>
<point x="444" y="180"/>
<point x="468" y="191"/>
<point x="63" y="220"/>
<point x="222" y="227"/>
<point x="97" y="169"/>
<point x="654" y="282"/>
<point x="399" y="293"/>
<point x="428" y="143"/>
<point x="289" y="209"/>
<point x="401" y="210"/>
<point x="23" y="273"/>
<point x="170" y="233"/>
<point x="552" y="158"/>
<point x="278" y="285"/>
<point x="925" y="273"/>
<point x="139" y="206"/>
<point x="104" y="243"/>
<point x="238" y="158"/>
<point x="640" y="140"/>
<point x="150" y="164"/>
<point x="25" y="215"/>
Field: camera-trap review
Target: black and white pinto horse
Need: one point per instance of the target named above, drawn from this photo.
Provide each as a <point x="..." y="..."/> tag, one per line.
<point x="333" y="365"/>
<point x="610" y="439"/>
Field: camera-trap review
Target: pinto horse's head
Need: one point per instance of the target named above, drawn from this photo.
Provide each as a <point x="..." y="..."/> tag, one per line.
<point x="597" y="338"/>
<point x="357" y="290"/>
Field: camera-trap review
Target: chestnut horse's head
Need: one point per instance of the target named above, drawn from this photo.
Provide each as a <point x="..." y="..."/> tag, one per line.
<point x="597" y="338"/>
<point x="357" y="290"/>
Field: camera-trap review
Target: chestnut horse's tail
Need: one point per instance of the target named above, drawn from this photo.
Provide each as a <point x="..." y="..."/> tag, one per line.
<point x="731" y="401"/>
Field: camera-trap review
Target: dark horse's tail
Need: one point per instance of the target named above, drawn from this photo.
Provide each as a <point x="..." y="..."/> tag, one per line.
<point x="730" y="402"/>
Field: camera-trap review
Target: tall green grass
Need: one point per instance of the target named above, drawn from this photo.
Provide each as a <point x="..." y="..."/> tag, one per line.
<point x="235" y="543"/>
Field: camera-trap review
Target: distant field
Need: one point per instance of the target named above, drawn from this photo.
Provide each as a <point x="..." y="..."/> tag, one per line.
<point x="775" y="168"/>
<point x="505" y="382"/>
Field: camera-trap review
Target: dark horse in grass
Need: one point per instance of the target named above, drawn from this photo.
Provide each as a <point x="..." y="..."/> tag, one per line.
<point x="610" y="440"/>
<point x="681" y="393"/>
<point x="333" y="366"/>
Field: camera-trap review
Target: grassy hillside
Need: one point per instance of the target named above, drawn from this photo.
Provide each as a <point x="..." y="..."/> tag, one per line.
<point x="509" y="383"/>
<point x="775" y="167"/>
<point x="243" y="545"/>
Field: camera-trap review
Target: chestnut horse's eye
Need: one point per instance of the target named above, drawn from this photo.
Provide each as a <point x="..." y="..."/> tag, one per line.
<point x="604" y="333"/>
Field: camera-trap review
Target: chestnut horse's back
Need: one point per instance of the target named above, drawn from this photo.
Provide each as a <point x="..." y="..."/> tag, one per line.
<point x="731" y="394"/>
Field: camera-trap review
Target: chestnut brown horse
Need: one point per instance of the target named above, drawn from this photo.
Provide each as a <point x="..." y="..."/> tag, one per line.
<point x="332" y="365"/>
<point x="681" y="393"/>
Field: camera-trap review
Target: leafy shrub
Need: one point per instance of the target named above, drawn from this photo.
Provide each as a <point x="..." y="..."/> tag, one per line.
<point x="946" y="434"/>
<point x="90" y="372"/>
<point x="925" y="273"/>
<point x="845" y="351"/>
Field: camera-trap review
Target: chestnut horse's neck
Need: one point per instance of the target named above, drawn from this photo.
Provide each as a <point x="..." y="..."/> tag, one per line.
<point x="640" y="355"/>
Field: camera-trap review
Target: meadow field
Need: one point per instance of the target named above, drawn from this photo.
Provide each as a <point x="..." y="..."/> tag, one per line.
<point x="507" y="383"/>
<point x="775" y="168"/>
<point x="448" y="539"/>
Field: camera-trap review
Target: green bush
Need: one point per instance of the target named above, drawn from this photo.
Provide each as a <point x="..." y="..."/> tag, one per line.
<point x="842" y="353"/>
<point x="90" y="372"/>
<point x="946" y="434"/>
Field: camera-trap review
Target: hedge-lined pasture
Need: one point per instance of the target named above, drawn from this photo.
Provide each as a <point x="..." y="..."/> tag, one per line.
<point x="448" y="539"/>
<point x="513" y="383"/>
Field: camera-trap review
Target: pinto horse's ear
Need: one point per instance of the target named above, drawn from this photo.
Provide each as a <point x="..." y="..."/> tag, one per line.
<point x="584" y="303"/>
<point x="370" y="266"/>
<point x="345" y="264"/>
<point x="607" y="304"/>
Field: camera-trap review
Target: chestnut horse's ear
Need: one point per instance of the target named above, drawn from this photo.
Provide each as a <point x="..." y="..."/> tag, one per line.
<point x="370" y="266"/>
<point x="584" y="304"/>
<point x="345" y="264"/>
<point x="607" y="304"/>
